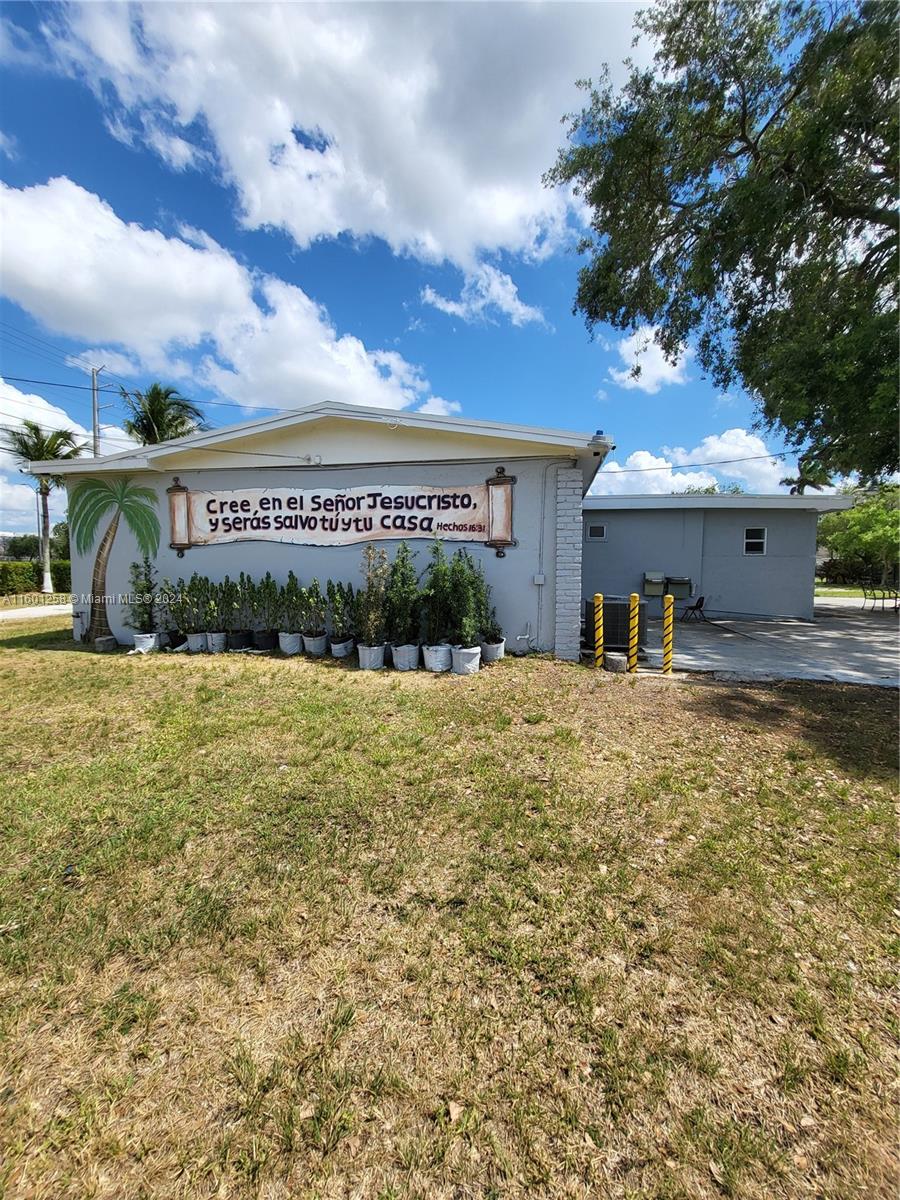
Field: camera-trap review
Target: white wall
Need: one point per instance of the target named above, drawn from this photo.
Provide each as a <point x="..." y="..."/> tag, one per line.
<point x="708" y="546"/>
<point x="526" y="610"/>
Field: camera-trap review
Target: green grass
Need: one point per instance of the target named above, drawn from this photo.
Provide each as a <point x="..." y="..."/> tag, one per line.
<point x="839" y="590"/>
<point x="280" y="928"/>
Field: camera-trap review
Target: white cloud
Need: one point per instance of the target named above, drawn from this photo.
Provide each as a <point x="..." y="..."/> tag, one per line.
<point x="426" y="125"/>
<point x="644" y="473"/>
<point x="78" y="268"/>
<point x="8" y="146"/>
<point x="113" y="361"/>
<point x="439" y="408"/>
<point x="762" y="475"/>
<point x="650" y="474"/>
<point x="17" y="504"/>
<point x="640" y="350"/>
<point x="485" y="290"/>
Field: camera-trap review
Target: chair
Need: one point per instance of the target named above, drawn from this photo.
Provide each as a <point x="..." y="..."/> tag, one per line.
<point x="694" y="612"/>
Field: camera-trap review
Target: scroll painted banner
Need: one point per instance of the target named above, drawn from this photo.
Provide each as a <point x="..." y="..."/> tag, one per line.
<point x="479" y="512"/>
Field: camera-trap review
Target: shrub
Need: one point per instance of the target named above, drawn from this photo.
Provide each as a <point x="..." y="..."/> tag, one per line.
<point x="199" y="607"/>
<point x="489" y="629"/>
<point x="402" y="599"/>
<point x="293" y="606"/>
<point x="61" y="571"/>
<point x="341" y="604"/>
<point x="142" y="602"/>
<point x="246" y="601"/>
<point x="265" y="602"/>
<point x="436" y="596"/>
<point x="18" y="577"/>
<point x="316" y="611"/>
<point x="230" y="601"/>
<point x="463" y="600"/>
<point x="177" y="610"/>
<point x="370" y="599"/>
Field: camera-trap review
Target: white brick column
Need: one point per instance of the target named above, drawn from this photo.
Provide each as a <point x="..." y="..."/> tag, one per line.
<point x="567" y="639"/>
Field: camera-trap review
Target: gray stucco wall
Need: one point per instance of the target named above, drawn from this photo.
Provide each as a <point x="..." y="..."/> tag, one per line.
<point x="526" y="609"/>
<point x="708" y="546"/>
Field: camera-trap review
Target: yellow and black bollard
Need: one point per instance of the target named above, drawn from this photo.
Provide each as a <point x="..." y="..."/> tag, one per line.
<point x="634" y="602"/>
<point x="598" y="629"/>
<point x="668" y="633"/>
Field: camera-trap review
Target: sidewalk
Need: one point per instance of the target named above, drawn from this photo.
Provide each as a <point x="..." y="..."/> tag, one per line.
<point x="35" y="610"/>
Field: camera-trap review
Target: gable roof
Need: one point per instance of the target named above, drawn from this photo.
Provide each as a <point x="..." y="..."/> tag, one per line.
<point x="263" y="431"/>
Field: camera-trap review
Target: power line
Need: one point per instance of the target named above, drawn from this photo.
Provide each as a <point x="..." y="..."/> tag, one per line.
<point x="722" y="462"/>
<point x="83" y="387"/>
<point x="75" y="361"/>
<point x="87" y="387"/>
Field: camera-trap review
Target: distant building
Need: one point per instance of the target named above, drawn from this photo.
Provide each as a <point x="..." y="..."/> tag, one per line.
<point x="746" y="555"/>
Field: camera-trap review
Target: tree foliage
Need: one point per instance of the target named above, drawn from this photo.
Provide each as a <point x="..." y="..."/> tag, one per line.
<point x="23" y="546"/>
<point x="742" y="194"/>
<point x="160" y="414"/>
<point x="868" y="534"/>
<point x="31" y="444"/>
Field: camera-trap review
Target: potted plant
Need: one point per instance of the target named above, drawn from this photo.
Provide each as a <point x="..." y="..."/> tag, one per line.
<point x="314" y="616"/>
<point x="493" y="643"/>
<point x="142" y="606"/>
<point x="174" y="616"/>
<point x="341" y="607"/>
<point x="466" y="646"/>
<point x="229" y="602"/>
<point x="370" y="615"/>
<point x="240" y="602"/>
<point x="402" y="610"/>
<point x="265" y="613"/>
<point x="195" y="613"/>
<point x="291" y="609"/>
<point x="436" y="610"/>
<point x="216" y="633"/>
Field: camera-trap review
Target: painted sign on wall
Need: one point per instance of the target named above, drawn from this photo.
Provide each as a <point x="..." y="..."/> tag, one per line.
<point x="480" y="512"/>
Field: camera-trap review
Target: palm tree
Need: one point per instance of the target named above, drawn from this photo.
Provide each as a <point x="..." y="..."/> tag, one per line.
<point x="809" y="474"/>
<point x="160" y="414"/>
<point x="32" y="444"/>
<point x="93" y="499"/>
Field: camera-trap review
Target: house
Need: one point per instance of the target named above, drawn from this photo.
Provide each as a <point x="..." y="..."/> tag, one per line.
<point x="748" y="556"/>
<point x="303" y="491"/>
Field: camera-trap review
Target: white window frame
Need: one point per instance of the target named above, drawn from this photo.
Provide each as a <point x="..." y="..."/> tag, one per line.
<point x="592" y="537"/>
<point x="764" y="539"/>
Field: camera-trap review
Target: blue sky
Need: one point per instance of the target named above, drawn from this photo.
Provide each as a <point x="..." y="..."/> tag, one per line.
<point x="268" y="207"/>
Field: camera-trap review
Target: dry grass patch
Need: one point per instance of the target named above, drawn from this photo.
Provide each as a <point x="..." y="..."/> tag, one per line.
<point x="278" y="928"/>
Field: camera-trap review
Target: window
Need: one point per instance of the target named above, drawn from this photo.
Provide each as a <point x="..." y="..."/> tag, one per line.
<point x="755" y="541"/>
<point x="595" y="532"/>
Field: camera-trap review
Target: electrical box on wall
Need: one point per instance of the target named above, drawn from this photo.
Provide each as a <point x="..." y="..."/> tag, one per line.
<point x="654" y="583"/>
<point x="679" y="586"/>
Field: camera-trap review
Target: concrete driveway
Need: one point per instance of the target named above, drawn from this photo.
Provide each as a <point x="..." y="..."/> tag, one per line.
<point x="842" y="645"/>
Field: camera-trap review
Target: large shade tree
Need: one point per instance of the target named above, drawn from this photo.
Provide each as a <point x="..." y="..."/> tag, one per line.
<point x="31" y="444"/>
<point x="160" y="414"/>
<point x="742" y="199"/>
<point x="867" y="536"/>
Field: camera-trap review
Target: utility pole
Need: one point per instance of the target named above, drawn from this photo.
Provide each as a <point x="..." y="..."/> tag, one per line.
<point x="95" y="408"/>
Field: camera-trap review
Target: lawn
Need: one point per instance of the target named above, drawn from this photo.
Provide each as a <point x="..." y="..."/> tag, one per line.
<point x="279" y="928"/>
<point x="838" y="589"/>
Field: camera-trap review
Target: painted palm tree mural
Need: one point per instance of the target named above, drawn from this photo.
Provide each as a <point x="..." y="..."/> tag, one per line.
<point x="91" y="501"/>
